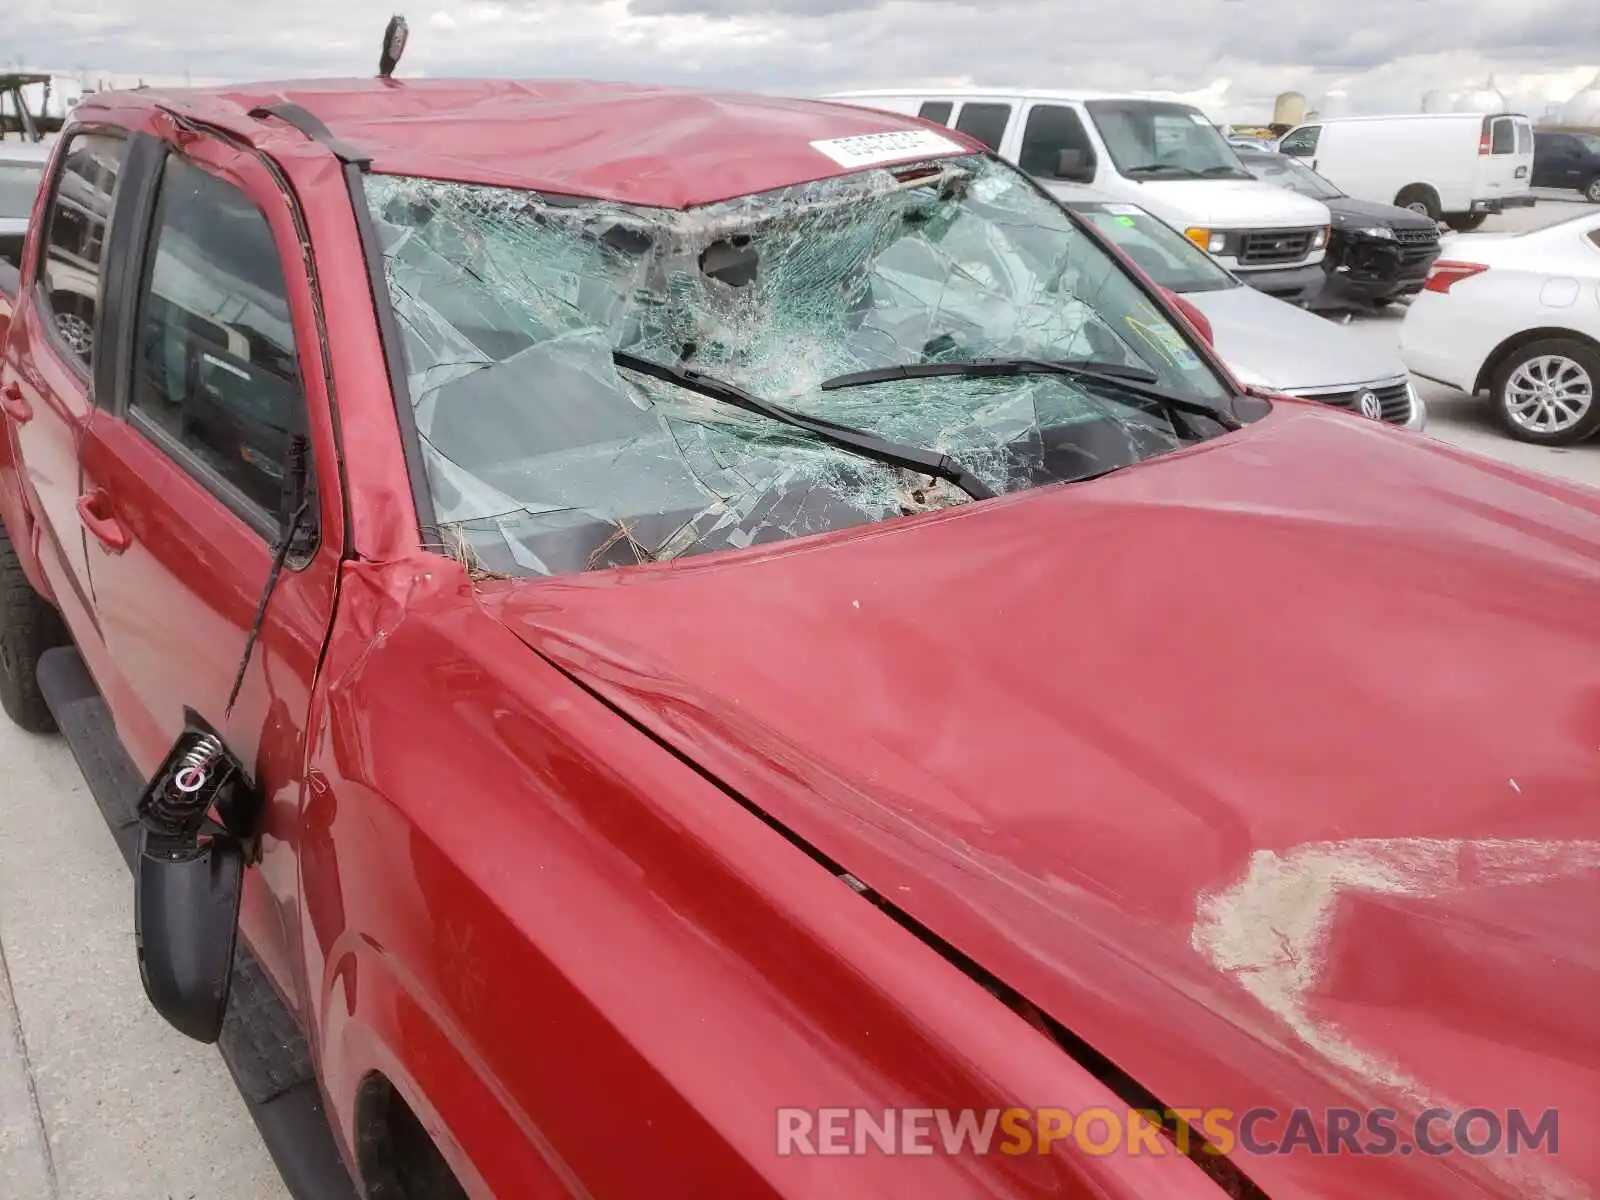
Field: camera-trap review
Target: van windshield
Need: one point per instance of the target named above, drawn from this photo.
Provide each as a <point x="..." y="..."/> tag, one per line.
<point x="530" y="323"/>
<point x="1163" y="139"/>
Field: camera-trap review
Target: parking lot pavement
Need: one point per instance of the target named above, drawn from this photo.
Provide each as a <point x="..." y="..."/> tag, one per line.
<point x="1468" y="421"/>
<point x="99" y="1098"/>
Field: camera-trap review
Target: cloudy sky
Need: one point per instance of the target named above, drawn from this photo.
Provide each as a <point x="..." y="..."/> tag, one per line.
<point x="1385" y="53"/>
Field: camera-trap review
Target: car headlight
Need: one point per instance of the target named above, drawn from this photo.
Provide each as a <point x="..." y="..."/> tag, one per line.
<point x="1377" y="231"/>
<point x="1209" y="240"/>
<point x="1320" y="238"/>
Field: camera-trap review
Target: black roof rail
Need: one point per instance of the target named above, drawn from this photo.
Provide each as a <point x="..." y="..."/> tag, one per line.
<point x="308" y="124"/>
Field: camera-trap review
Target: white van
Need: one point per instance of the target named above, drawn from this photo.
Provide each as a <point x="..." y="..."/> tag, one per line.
<point x="1162" y="155"/>
<point x="1454" y="167"/>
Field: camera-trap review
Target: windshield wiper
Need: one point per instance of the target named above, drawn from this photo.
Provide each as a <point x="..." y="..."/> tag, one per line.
<point x="846" y="437"/>
<point x="1226" y="172"/>
<point x="1138" y="380"/>
<point x="1153" y="168"/>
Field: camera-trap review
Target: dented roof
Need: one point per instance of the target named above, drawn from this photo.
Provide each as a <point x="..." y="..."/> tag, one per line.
<point x="630" y="143"/>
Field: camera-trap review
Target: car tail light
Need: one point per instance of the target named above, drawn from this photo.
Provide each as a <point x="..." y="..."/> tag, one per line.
<point x="1446" y="273"/>
<point x="1485" y="142"/>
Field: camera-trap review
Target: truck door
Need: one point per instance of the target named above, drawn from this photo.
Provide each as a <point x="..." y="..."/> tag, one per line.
<point x="45" y="379"/>
<point x="1503" y="170"/>
<point x="189" y="476"/>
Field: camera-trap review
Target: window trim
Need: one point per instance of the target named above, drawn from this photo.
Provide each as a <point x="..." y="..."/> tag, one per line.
<point x="1083" y="127"/>
<point x="41" y="284"/>
<point x="1316" y="139"/>
<point x="1495" y="125"/>
<point x="269" y="524"/>
<point x="1011" y="112"/>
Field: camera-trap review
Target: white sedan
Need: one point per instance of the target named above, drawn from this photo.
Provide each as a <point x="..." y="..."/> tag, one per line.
<point x="1516" y="315"/>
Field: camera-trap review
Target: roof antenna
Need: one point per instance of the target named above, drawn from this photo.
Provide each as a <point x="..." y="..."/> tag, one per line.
<point x="394" y="45"/>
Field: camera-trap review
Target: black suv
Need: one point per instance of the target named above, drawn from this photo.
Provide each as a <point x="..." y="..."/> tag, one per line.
<point x="1377" y="253"/>
<point x="1567" y="160"/>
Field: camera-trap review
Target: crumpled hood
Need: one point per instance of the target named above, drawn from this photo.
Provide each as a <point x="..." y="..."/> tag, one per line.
<point x="1271" y="767"/>
<point x="1347" y="210"/>
<point x="1286" y="347"/>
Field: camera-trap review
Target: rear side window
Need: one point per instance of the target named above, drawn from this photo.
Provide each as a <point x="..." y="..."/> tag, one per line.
<point x="1503" y="136"/>
<point x="1052" y="129"/>
<point x="986" y="122"/>
<point x="1524" y="137"/>
<point x="80" y="208"/>
<point x="1301" y="142"/>
<point x="936" y="110"/>
<point x="216" y="369"/>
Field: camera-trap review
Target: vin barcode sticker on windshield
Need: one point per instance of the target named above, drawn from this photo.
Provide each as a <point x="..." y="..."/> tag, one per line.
<point x="870" y="149"/>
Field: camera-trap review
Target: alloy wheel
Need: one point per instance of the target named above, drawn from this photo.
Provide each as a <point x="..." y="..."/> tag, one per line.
<point x="1548" y="394"/>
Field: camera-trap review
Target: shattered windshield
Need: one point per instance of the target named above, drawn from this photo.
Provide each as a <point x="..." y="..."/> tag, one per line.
<point x="544" y="456"/>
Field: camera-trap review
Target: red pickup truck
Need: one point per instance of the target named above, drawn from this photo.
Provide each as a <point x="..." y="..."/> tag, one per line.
<point x="712" y="645"/>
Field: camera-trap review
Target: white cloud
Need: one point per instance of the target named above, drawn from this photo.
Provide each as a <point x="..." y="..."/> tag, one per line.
<point x="1237" y="54"/>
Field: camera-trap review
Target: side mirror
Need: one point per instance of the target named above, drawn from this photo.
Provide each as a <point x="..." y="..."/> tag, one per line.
<point x="188" y="880"/>
<point x="1191" y="314"/>
<point x="1075" y="166"/>
<point x="186" y="916"/>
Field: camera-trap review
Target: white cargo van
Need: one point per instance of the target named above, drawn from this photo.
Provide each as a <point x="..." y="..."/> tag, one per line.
<point x="1163" y="155"/>
<point x="1454" y="167"/>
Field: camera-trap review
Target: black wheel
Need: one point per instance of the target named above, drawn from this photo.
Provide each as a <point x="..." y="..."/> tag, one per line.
<point x="1591" y="190"/>
<point x="1420" y="198"/>
<point x="28" y="627"/>
<point x="1466" y="222"/>
<point x="1544" y="392"/>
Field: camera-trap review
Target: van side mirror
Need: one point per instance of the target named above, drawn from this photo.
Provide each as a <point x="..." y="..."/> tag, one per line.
<point x="1075" y="166"/>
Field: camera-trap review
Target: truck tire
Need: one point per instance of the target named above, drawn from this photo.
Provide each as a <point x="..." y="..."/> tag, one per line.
<point x="28" y="627"/>
<point x="1466" y="222"/>
<point x="1563" y="367"/>
<point x="1420" y="198"/>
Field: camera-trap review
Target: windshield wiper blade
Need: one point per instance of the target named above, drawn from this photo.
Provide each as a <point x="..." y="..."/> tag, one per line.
<point x="990" y="366"/>
<point x="846" y="437"/>
<point x="1153" y="168"/>
<point x="1138" y="380"/>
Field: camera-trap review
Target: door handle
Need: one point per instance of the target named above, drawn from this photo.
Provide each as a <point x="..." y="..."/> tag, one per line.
<point x="94" y="512"/>
<point x="15" y="404"/>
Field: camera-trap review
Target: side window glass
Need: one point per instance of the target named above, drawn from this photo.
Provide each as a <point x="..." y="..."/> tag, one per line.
<point x="936" y="110"/>
<point x="1504" y="136"/>
<point x="80" y="208"/>
<point x="1053" y="142"/>
<point x="986" y="122"/>
<point x="215" y="365"/>
<point x="1302" y="142"/>
<point x="1524" y="138"/>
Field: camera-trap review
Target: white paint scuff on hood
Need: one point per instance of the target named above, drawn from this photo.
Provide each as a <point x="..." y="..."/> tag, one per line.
<point x="1270" y="932"/>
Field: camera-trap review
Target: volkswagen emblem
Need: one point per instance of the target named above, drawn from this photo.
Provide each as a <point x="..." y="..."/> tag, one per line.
<point x="1370" y="406"/>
